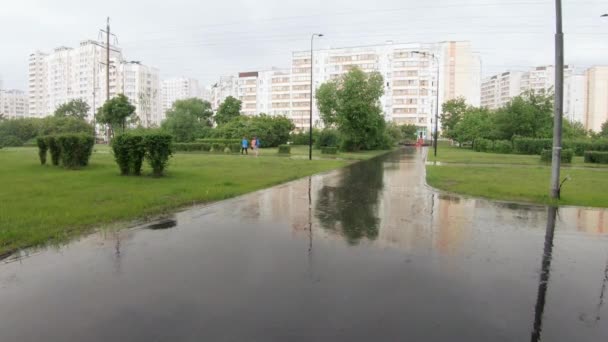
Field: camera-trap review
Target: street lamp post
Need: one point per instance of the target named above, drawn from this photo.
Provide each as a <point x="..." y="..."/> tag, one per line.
<point x="312" y="38"/>
<point x="437" y="98"/>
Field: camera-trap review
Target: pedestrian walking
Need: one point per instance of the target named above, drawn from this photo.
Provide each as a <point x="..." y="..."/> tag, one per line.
<point x="244" y="145"/>
<point x="256" y="145"/>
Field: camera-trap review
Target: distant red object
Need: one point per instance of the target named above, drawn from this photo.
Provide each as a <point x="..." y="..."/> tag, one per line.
<point x="420" y="142"/>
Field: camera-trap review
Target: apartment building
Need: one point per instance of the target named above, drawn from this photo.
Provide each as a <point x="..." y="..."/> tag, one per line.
<point x="409" y="70"/>
<point x="267" y="91"/>
<point x="141" y="84"/>
<point x="178" y="89"/>
<point x="498" y="90"/>
<point x="13" y="104"/>
<point x="596" y="109"/>
<point x="80" y="73"/>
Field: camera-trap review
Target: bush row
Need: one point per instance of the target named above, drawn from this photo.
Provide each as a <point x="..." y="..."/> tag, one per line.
<point x="536" y="146"/>
<point x="566" y="156"/>
<point x="329" y="150"/>
<point x="224" y="142"/>
<point x="284" y="149"/>
<point x="130" y="149"/>
<point x="72" y="151"/>
<point x="597" y="157"/>
<point x="494" y="146"/>
<point x="207" y="147"/>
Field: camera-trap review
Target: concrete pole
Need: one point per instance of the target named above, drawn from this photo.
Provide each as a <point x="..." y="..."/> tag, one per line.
<point x="559" y="103"/>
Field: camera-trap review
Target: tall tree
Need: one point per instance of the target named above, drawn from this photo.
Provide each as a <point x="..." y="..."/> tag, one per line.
<point x="228" y="110"/>
<point x="604" y="131"/>
<point x="198" y="108"/>
<point x="474" y="124"/>
<point x="77" y="108"/>
<point x="115" y="112"/>
<point x="527" y="115"/>
<point x="352" y="104"/>
<point x="452" y="112"/>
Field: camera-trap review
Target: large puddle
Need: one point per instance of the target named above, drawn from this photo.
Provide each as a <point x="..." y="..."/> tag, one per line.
<point x="366" y="253"/>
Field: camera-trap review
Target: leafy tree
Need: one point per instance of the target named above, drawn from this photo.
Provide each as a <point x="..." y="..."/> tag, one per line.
<point x="452" y="112"/>
<point x="2" y="117"/>
<point x="527" y="115"/>
<point x="196" y="107"/>
<point x="182" y="125"/>
<point x="409" y="131"/>
<point x="188" y="119"/>
<point x="271" y="130"/>
<point x="352" y="104"/>
<point x="115" y="112"/>
<point x="604" y="131"/>
<point x="15" y="132"/>
<point x="63" y="125"/>
<point x="77" y="108"/>
<point x="475" y="124"/>
<point x="228" y="110"/>
<point x="573" y="130"/>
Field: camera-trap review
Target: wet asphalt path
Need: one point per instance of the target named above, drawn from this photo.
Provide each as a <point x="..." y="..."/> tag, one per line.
<point x="366" y="253"/>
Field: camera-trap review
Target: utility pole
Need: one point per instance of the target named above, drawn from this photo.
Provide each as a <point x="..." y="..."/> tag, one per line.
<point x="312" y="87"/>
<point x="559" y="102"/>
<point x="108" y="59"/>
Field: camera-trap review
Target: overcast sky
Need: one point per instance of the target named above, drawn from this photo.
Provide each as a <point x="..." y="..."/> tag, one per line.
<point x="206" y="39"/>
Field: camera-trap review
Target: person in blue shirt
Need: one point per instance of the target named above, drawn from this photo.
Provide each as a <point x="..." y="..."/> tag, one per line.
<point x="244" y="145"/>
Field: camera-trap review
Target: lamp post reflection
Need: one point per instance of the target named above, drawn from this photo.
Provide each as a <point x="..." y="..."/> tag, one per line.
<point x="544" y="275"/>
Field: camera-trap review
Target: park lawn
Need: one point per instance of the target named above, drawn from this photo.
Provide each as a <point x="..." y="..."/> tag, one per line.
<point x="40" y="204"/>
<point x="457" y="155"/>
<point x="514" y="178"/>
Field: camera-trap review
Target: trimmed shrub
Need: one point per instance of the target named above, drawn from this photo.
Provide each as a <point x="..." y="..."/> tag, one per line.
<point x="129" y="152"/>
<point x="235" y="148"/>
<point x="158" y="151"/>
<point x="581" y="146"/>
<point x="596" y="157"/>
<point x="217" y="147"/>
<point x="75" y="149"/>
<point x="55" y="151"/>
<point x="531" y="146"/>
<point x="284" y="149"/>
<point x="502" y="146"/>
<point x="328" y="137"/>
<point x="42" y="149"/>
<point x="483" y="145"/>
<point x="329" y="150"/>
<point x="566" y="156"/>
<point x="120" y="147"/>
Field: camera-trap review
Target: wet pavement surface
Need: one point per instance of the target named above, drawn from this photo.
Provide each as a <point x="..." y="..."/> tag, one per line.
<point x="366" y="253"/>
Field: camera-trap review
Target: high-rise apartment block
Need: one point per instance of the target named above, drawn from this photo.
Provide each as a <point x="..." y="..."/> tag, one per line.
<point x="579" y="100"/>
<point x="178" y="89"/>
<point x="596" y="108"/>
<point x="80" y="73"/>
<point x="13" y="104"/>
<point x="409" y="72"/>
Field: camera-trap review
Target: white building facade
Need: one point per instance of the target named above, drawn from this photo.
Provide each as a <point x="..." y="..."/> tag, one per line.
<point x="13" y="104"/>
<point x="80" y="73"/>
<point x="409" y="71"/>
<point x="141" y="84"/>
<point x="596" y="107"/>
<point x="178" y="89"/>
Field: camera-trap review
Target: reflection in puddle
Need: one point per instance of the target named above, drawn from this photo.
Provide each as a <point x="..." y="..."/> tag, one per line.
<point x="164" y="224"/>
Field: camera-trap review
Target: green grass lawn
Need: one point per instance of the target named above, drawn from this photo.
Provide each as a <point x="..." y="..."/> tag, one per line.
<point x="515" y="177"/>
<point x="40" y="204"/>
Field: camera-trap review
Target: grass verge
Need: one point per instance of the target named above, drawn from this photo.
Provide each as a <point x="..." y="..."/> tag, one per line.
<point x="40" y="204"/>
<point x="525" y="179"/>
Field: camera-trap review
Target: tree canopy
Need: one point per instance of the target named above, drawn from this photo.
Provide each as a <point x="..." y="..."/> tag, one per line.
<point x="604" y="131"/>
<point x="527" y="115"/>
<point x="228" y="110"/>
<point x="271" y="130"/>
<point x="115" y="112"/>
<point x="198" y="108"/>
<point x="351" y="103"/>
<point x="77" y="108"/>
<point x="452" y="112"/>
